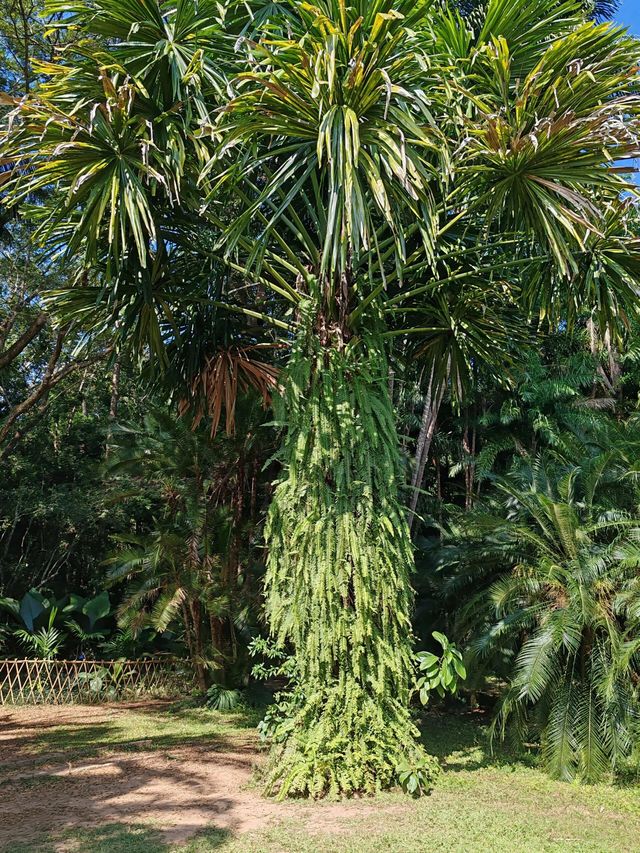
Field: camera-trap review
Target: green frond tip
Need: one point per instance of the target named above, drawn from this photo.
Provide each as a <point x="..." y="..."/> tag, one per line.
<point x="337" y="586"/>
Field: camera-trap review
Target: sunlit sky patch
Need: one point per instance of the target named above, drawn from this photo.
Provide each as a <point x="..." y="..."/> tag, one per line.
<point x="629" y="16"/>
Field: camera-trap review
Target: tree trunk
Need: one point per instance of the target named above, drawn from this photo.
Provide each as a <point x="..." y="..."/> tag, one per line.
<point x="115" y="392"/>
<point x="613" y="358"/>
<point x="113" y="405"/>
<point x="469" y="452"/>
<point x="432" y="402"/>
<point x="34" y="329"/>
<point x="192" y="644"/>
<point x="216" y="629"/>
<point x="187" y="630"/>
<point x="196" y="616"/>
<point x="609" y="382"/>
<point x="337" y="584"/>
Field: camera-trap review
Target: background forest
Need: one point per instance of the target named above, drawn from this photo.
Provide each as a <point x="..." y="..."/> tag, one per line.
<point x="133" y="500"/>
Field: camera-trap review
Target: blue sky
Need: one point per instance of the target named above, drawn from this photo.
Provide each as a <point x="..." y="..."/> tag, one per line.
<point x="629" y="15"/>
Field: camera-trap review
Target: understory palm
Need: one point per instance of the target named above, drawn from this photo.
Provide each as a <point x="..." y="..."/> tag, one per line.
<point x="567" y="610"/>
<point x="372" y="173"/>
<point x="185" y="567"/>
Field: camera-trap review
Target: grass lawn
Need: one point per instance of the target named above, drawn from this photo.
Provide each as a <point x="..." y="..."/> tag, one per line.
<point x="159" y="778"/>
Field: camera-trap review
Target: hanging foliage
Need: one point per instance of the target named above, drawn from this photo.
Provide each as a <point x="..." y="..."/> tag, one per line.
<point x="225" y="374"/>
<point x="338" y="575"/>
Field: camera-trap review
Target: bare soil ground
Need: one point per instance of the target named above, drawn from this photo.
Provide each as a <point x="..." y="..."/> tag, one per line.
<point x="180" y="789"/>
<point x="156" y="777"/>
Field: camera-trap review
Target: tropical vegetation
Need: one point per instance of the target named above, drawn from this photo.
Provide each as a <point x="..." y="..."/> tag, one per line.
<point x="304" y="305"/>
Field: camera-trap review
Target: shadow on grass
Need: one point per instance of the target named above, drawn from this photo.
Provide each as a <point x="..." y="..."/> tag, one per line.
<point x="77" y="740"/>
<point x="149" y="727"/>
<point x="191" y="711"/>
<point x="61" y="742"/>
<point x="116" y="838"/>
<point x="461" y="741"/>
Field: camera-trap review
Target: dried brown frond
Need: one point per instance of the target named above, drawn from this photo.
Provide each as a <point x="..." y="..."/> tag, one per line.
<point x="224" y="375"/>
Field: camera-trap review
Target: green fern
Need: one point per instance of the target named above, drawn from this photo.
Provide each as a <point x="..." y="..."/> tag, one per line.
<point x="337" y="584"/>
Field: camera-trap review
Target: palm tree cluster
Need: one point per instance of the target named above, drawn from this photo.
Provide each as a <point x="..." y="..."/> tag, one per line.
<point x="188" y="564"/>
<point x="555" y="605"/>
<point x="350" y="190"/>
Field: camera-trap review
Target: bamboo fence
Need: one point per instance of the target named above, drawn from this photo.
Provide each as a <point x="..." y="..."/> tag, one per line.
<point x="66" y="682"/>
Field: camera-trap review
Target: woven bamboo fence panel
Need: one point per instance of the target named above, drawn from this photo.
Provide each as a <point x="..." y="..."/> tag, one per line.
<point x="67" y="682"/>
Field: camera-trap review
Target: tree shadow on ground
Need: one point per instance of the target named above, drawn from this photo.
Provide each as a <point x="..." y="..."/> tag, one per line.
<point x="182" y="796"/>
<point x="192" y="711"/>
<point x="116" y="838"/>
<point x="461" y="741"/>
<point x="164" y="726"/>
<point x="78" y="740"/>
<point x="178" y="771"/>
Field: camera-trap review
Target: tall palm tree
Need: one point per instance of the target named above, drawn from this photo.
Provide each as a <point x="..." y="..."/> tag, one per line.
<point x="358" y="168"/>
<point x="353" y="157"/>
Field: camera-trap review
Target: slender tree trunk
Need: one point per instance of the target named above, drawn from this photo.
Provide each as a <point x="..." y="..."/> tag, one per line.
<point x="613" y="358"/>
<point x="469" y="452"/>
<point x="113" y="405"/>
<point x="187" y="631"/>
<point x="192" y="644"/>
<point x="196" y="618"/>
<point x="216" y="628"/>
<point x="32" y="331"/>
<point x="431" y="409"/>
<point x="115" y="392"/>
<point x="232" y="567"/>
<point x="610" y="381"/>
<point x="83" y="397"/>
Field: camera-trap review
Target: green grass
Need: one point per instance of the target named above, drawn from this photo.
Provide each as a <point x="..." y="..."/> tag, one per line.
<point x="157" y="729"/>
<point x="32" y="783"/>
<point x="482" y="802"/>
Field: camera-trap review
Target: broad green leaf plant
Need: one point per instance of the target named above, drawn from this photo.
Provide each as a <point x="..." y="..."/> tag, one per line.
<point x="440" y="673"/>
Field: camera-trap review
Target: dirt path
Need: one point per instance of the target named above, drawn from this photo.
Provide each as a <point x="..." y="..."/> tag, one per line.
<point x="180" y="790"/>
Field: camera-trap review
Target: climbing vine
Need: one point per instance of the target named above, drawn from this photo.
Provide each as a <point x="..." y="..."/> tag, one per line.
<point x="337" y="586"/>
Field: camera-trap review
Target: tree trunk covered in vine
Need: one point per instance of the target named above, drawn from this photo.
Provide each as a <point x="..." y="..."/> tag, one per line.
<point x="340" y="556"/>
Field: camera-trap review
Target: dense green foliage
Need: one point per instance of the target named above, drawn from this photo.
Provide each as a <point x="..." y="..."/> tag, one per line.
<point x="400" y="220"/>
<point x="567" y="610"/>
<point x="336" y="582"/>
<point x="194" y="562"/>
